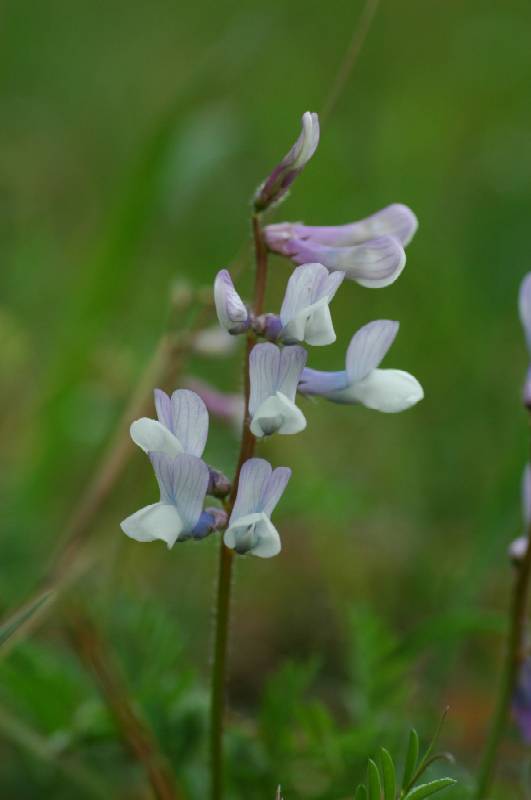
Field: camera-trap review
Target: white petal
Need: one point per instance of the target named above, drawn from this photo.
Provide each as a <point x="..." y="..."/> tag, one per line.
<point x="263" y="373"/>
<point x="302" y="290"/>
<point x="277" y="414"/>
<point x="255" y="535"/>
<point x="368" y="346"/>
<point x="190" y="421"/>
<point x="254" y="476"/>
<point x="387" y="390"/>
<point x="157" y="521"/>
<point x="274" y="489"/>
<point x="319" y="328"/>
<point x="524" y="307"/>
<point x="152" y="436"/>
<point x="231" y="311"/>
<point x="190" y="486"/>
<point x="292" y="362"/>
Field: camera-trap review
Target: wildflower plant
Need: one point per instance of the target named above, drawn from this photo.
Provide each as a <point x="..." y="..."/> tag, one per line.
<point x="369" y="252"/>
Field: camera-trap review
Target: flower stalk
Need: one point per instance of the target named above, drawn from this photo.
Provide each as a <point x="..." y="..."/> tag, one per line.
<point x="226" y="555"/>
<point x="514" y="658"/>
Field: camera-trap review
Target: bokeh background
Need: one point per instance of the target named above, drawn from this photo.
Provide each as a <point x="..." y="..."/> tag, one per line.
<point x="133" y="135"/>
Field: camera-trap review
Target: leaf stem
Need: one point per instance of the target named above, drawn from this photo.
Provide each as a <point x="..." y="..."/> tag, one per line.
<point x="226" y="556"/>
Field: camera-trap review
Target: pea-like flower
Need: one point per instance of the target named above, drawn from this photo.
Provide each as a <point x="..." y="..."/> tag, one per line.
<point x="250" y="528"/>
<point x="387" y="390"/>
<point x="183" y="482"/>
<point x="524" y="305"/>
<point x="274" y="374"/>
<point x="182" y="425"/>
<point x="232" y="313"/>
<point x="305" y="313"/>
<point x="276" y="186"/>
<point x="370" y="251"/>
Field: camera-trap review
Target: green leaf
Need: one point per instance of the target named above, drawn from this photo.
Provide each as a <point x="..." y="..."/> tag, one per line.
<point x="428" y="789"/>
<point x="361" y="793"/>
<point x="411" y="758"/>
<point x="389" y="774"/>
<point x="373" y="781"/>
<point x="12" y="625"/>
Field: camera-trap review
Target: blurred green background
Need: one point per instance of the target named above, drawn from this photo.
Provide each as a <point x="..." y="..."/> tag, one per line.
<point x="133" y="135"/>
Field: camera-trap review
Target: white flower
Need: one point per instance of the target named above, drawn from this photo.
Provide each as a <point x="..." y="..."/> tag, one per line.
<point x="274" y="375"/>
<point x="259" y="490"/>
<point x="182" y="425"/>
<point x="305" y="313"/>
<point x="387" y="390"/>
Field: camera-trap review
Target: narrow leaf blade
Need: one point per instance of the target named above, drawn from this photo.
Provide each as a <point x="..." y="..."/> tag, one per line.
<point x="373" y="781"/>
<point x="11" y="626"/>
<point x="361" y="793"/>
<point x="429" y="789"/>
<point x="389" y="775"/>
<point x="412" y="757"/>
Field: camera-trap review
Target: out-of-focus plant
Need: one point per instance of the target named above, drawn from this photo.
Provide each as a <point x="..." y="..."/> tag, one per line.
<point x="371" y="253"/>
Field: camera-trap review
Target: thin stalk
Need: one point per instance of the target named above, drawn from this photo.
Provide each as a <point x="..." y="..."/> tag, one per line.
<point x="137" y="737"/>
<point x="226" y="556"/>
<point x="514" y="657"/>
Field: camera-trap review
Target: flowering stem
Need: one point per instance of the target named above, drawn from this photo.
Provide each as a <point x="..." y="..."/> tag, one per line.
<point x="226" y="556"/>
<point x="513" y="659"/>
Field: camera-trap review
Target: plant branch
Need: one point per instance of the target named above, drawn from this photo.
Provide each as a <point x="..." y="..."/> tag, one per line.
<point x="92" y="652"/>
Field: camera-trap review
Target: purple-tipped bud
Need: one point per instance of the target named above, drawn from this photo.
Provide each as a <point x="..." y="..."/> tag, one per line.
<point x="274" y="188"/>
<point x="218" y="484"/>
<point x="268" y="326"/>
<point x="232" y="313"/>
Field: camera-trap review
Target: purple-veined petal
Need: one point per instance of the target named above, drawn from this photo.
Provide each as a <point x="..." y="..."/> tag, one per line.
<point x="190" y="421"/>
<point x="232" y="313"/>
<point x="387" y="390"/>
<point x="368" y="347"/>
<point x="190" y="483"/>
<point x="277" y="184"/>
<point x="316" y="382"/>
<point x="395" y="220"/>
<point x="153" y="436"/>
<point x="524" y="307"/>
<point x="254" y="475"/>
<point x="374" y="264"/>
<point x="156" y="521"/>
<point x="163" y="408"/>
<point x="277" y="414"/>
<point x="273" y="489"/>
<point x="264" y="362"/>
<point x="305" y="315"/>
<point x="254" y="535"/>
<point x="292" y="362"/>
<point x="164" y="473"/>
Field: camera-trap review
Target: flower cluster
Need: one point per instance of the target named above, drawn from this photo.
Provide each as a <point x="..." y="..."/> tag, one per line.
<point x="370" y="252"/>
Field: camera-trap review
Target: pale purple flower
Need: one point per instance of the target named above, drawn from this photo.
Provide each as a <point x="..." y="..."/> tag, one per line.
<point x="274" y="375"/>
<point x="370" y="251"/>
<point x="521" y="702"/>
<point x="387" y="390"/>
<point x="524" y="307"/>
<point x="179" y="515"/>
<point x="232" y="313"/>
<point x="305" y="314"/>
<point x="250" y="528"/>
<point x="182" y="425"/>
<point x="518" y="548"/>
<point x="395" y="220"/>
<point x="277" y="184"/>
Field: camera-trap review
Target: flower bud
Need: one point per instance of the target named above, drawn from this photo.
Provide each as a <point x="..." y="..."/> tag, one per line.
<point x="276" y="186"/>
<point x="232" y="313"/>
